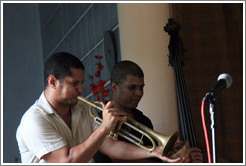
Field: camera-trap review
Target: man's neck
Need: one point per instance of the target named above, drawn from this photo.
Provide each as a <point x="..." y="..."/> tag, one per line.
<point x="125" y="109"/>
<point x="62" y="109"/>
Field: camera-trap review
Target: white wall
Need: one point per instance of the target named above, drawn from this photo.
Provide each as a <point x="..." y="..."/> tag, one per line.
<point x="144" y="41"/>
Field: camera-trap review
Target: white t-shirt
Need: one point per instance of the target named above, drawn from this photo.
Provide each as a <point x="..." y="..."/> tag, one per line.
<point x="42" y="130"/>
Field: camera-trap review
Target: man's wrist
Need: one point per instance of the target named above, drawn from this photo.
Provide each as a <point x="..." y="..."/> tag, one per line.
<point x="104" y="130"/>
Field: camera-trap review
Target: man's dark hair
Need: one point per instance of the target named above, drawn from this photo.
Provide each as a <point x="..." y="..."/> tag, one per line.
<point x="124" y="68"/>
<point x="59" y="65"/>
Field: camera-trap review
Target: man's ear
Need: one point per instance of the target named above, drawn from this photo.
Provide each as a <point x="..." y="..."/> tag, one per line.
<point x="114" y="86"/>
<point x="52" y="81"/>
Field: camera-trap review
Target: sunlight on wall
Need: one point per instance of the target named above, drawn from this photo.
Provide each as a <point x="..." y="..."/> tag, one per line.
<point x="144" y="41"/>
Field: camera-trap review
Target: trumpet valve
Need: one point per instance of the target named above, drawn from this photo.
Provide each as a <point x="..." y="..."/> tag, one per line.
<point x="111" y="134"/>
<point x="115" y="137"/>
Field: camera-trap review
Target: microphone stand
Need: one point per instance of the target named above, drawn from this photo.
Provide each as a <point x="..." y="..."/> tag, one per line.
<point x="224" y="81"/>
<point x="211" y="110"/>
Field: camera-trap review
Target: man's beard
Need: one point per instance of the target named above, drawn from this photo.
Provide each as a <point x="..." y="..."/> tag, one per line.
<point x="70" y="101"/>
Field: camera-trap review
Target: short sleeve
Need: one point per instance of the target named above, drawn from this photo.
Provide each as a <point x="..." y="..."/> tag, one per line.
<point x="41" y="137"/>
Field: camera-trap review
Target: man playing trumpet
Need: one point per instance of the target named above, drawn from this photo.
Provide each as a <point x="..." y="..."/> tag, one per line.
<point x="57" y="128"/>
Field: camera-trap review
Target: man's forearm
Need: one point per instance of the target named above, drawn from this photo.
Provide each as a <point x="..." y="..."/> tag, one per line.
<point x="85" y="151"/>
<point x="81" y="153"/>
<point x="124" y="151"/>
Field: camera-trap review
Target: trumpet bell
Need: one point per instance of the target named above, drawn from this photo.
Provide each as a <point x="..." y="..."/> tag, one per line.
<point x="168" y="142"/>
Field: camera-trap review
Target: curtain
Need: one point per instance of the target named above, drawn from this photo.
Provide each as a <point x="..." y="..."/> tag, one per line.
<point x="212" y="33"/>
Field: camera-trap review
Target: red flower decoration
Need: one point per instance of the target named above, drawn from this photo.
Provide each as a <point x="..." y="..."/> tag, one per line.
<point x="98" y="73"/>
<point x="101" y="83"/>
<point x="94" y="89"/>
<point x="99" y="66"/>
<point x="98" y="56"/>
<point x="98" y="98"/>
<point x="91" y="77"/>
<point x="97" y="88"/>
<point x="105" y="93"/>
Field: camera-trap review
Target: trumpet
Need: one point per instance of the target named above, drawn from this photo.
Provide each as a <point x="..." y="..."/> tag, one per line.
<point x="142" y="131"/>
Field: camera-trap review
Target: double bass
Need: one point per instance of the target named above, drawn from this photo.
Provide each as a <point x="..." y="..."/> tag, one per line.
<point x="176" y="61"/>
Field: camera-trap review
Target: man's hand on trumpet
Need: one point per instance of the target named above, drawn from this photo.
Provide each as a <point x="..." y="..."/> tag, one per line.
<point x="181" y="153"/>
<point x="111" y="115"/>
<point x="158" y="153"/>
<point x="183" y="149"/>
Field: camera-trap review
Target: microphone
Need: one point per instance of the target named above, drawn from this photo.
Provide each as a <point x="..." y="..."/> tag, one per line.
<point x="224" y="81"/>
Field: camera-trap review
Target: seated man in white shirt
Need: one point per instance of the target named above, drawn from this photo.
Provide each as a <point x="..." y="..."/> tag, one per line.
<point x="57" y="128"/>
